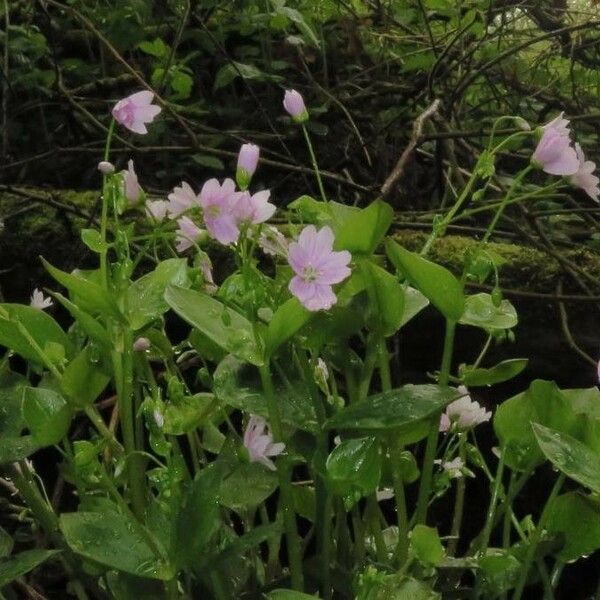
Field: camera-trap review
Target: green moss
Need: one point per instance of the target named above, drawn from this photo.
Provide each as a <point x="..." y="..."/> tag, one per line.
<point x="32" y="227"/>
<point x="525" y="268"/>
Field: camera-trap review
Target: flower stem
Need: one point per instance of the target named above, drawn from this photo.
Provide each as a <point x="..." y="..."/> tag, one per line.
<point x="459" y="502"/>
<point x="313" y="159"/>
<point x="489" y="522"/>
<point x="516" y="182"/>
<point x="535" y="538"/>
<point x="104" y="216"/>
<point x="284" y="474"/>
<point x="46" y="517"/>
<point x="432" y="439"/>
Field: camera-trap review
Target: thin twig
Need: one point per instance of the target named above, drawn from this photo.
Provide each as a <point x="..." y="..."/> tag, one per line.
<point x="398" y="170"/>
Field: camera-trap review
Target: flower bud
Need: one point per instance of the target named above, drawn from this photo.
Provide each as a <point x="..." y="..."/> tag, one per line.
<point x="141" y="344"/>
<point x="294" y="105"/>
<point x="105" y="167"/>
<point x="246" y="165"/>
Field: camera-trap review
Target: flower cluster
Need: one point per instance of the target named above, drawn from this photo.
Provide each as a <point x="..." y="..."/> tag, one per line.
<point x="463" y="414"/>
<point x="224" y="211"/>
<point x="555" y="155"/>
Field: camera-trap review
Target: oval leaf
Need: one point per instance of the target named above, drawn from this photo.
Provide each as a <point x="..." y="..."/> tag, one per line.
<point x="437" y="283"/>
<point x="569" y="456"/>
<point x="223" y="325"/>
<point x="396" y="408"/>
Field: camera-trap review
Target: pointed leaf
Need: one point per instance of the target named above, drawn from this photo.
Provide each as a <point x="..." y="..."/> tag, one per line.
<point x="225" y="326"/>
<point x="437" y="283"/>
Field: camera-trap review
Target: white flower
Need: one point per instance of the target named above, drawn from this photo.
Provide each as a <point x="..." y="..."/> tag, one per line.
<point x="39" y="301"/>
<point x="453" y="467"/>
<point x="463" y="413"/>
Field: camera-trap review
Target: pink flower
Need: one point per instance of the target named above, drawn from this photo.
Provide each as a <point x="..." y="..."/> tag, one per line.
<point x="559" y="124"/>
<point x="135" y="111"/>
<point x="187" y="234"/>
<point x="554" y="153"/>
<point x="253" y="209"/>
<point x="246" y="164"/>
<point x="463" y="413"/>
<point x="39" y="301"/>
<point x="141" y="344"/>
<point x="584" y="178"/>
<point x="293" y="103"/>
<point x="131" y="187"/>
<point x="317" y="268"/>
<point x="218" y="202"/>
<point x="157" y="209"/>
<point x="105" y="167"/>
<point x="273" y="242"/>
<point x="180" y="199"/>
<point x="259" y="442"/>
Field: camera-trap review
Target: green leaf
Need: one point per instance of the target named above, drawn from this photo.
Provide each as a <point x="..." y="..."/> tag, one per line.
<point x="146" y="296"/>
<point x="248" y="486"/>
<point x="89" y="296"/>
<point x="284" y="594"/>
<point x="437" y="283"/>
<point x="86" y="376"/>
<point x="88" y="323"/>
<point x="397" y="408"/>
<point x="42" y="328"/>
<point x="542" y="403"/>
<point x="16" y="448"/>
<point x="298" y="19"/>
<point x="480" y="311"/>
<point x="577" y="519"/>
<point x="6" y="543"/>
<point x="22" y="563"/>
<point x="113" y="541"/>
<point x="569" y="456"/>
<point x="209" y="161"/>
<point x="46" y="414"/>
<point x="93" y="240"/>
<point x="225" y="326"/>
<point x="181" y="83"/>
<point x="287" y="320"/>
<point x="186" y="414"/>
<point x="427" y="546"/>
<point x="310" y="210"/>
<point x="226" y="74"/>
<point x="503" y="371"/>
<point x="353" y="468"/>
<point x="499" y="571"/>
<point x="361" y="231"/>
<point x="156" y="48"/>
<point x="414" y="303"/>
<point x="199" y="519"/>
<point x="386" y="296"/>
<point x="236" y="384"/>
<point x="124" y="586"/>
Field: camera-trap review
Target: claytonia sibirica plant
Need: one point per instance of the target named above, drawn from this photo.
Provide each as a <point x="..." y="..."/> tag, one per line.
<point x="243" y="429"/>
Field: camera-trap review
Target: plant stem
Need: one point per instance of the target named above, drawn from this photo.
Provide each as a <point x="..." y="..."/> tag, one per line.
<point x="401" y="552"/>
<point x="459" y="502"/>
<point x="535" y="538"/>
<point x="123" y="371"/>
<point x="489" y="521"/>
<point x="517" y="180"/>
<point x="313" y="159"/>
<point x="432" y="439"/>
<point x="46" y="517"/>
<point x="104" y="215"/>
<point x="284" y="473"/>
